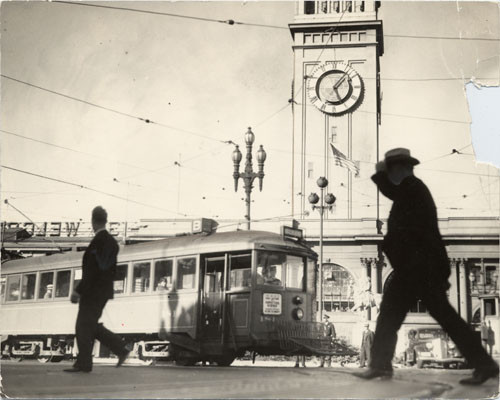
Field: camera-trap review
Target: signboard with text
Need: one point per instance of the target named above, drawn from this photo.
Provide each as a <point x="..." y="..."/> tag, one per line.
<point x="271" y="304"/>
<point x="63" y="229"/>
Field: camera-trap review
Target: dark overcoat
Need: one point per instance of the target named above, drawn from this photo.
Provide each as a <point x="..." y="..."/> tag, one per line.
<point x="99" y="267"/>
<point x="413" y="243"/>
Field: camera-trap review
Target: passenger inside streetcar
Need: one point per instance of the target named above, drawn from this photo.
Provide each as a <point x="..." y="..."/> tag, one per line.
<point x="48" y="293"/>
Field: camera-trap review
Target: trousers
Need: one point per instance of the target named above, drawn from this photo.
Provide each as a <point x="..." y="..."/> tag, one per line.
<point x="88" y="329"/>
<point x="364" y="356"/>
<point x="400" y="295"/>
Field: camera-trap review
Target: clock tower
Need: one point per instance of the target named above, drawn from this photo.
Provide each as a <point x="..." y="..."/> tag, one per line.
<point x="336" y="103"/>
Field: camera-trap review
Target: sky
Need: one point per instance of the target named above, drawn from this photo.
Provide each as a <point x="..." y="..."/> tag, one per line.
<point x="203" y="83"/>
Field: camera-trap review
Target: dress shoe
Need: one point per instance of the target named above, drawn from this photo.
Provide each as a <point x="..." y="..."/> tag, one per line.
<point x="77" y="369"/>
<point x="481" y="375"/>
<point x="372" y="373"/>
<point x="122" y="358"/>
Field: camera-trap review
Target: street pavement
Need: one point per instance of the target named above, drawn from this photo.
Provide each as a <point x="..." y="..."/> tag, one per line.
<point x="30" y="379"/>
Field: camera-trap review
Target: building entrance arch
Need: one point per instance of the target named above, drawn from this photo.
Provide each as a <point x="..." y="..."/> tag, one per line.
<point x="338" y="288"/>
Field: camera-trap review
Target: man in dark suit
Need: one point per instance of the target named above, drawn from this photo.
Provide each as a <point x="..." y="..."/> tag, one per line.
<point x="415" y="249"/>
<point x="366" y="347"/>
<point x="93" y="292"/>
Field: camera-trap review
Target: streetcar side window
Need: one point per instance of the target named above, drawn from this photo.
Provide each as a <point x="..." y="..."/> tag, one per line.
<point x="46" y="289"/>
<point x="163" y="275"/>
<point x="120" y="281"/>
<point x="186" y="273"/>
<point x="77" y="278"/>
<point x="2" y="288"/>
<point x="270" y="268"/>
<point x="142" y="274"/>
<point x="63" y="279"/>
<point x="13" y="283"/>
<point x="294" y="272"/>
<point x="28" y="287"/>
<point x="241" y="271"/>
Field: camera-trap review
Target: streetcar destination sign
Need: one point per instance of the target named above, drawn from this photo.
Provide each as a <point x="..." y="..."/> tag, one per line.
<point x="271" y="304"/>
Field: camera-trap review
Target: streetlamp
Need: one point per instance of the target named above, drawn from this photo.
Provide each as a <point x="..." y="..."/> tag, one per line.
<point x="326" y="203"/>
<point x="248" y="175"/>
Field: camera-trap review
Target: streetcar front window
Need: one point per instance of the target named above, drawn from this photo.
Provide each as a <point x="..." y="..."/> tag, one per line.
<point x="46" y="289"/>
<point x="241" y="271"/>
<point x="186" y="273"/>
<point x="28" y="290"/>
<point x="294" y="272"/>
<point x="13" y="283"/>
<point x="270" y="268"/>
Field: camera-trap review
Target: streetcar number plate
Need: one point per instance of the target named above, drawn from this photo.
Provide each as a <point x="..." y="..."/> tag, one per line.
<point x="271" y="304"/>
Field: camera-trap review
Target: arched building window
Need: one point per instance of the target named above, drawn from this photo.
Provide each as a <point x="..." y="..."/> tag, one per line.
<point x="338" y="288"/>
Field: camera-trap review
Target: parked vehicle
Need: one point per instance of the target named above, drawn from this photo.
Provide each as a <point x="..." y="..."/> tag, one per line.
<point x="431" y="347"/>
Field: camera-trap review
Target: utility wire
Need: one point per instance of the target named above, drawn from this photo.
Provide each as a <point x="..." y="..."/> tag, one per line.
<point x="91" y="189"/>
<point x="233" y="22"/>
<point x="165" y="14"/>
<point x="34" y="224"/>
<point x="142" y="119"/>
<point x="453" y="151"/>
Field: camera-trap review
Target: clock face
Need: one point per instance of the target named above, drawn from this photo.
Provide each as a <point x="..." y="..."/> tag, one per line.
<point x="335" y="88"/>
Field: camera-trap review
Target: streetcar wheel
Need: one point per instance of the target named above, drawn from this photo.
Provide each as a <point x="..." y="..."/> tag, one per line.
<point x="43" y="359"/>
<point x="149" y="361"/>
<point x="56" y="359"/>
<point x="185" y="362"/>
<point x="16" y="359"/>
<point x="225" y="361"/>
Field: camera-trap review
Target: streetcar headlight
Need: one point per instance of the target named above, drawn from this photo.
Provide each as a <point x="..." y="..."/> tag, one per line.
<point x="429" y="346"/>
<point x="297" y="300"/>
<point x="298" y="313"/>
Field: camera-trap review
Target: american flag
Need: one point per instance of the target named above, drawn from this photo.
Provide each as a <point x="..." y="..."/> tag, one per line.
<point x="342" y="161"/>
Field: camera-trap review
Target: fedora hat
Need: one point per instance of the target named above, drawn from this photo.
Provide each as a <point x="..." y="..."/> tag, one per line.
<point x="400" y="154"/>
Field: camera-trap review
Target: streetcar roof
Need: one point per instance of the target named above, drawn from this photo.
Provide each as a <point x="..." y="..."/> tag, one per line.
<point x="175" y="246"/>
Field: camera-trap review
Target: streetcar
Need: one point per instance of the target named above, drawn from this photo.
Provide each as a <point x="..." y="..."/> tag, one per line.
<point x="204" y="297"/>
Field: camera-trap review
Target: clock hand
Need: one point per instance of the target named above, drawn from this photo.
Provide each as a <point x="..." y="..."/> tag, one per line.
<point x="339" y="82"/>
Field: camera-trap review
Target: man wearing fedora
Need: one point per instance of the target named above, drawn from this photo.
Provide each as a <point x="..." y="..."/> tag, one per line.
<point x="417" y="254"/>
<point x="366" y="346"/>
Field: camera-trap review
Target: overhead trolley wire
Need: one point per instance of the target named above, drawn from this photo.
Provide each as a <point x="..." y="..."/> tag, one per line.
<point x="142" y="119"/>
<point x="91" y="189"/>
<point x="233" y="22"/>
<point x="165" y="14"/>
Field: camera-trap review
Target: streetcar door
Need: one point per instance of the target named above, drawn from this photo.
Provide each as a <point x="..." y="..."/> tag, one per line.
<point x="213" y="297"/>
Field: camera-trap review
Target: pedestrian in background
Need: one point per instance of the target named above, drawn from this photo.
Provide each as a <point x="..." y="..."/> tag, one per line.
<point x="491" y="338"/>
<point x="93" y="292"/>
<point x="484" y="335"/>
<point x="298" y="359"/>
<point x="366" y="347"/>
<point x="416" y="251"/>
<point x="329" y="332"/>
